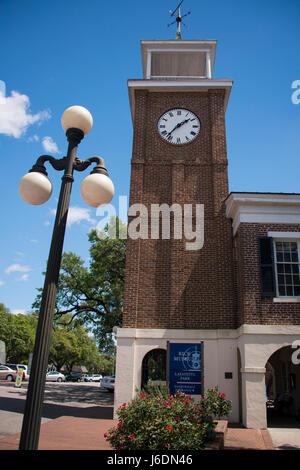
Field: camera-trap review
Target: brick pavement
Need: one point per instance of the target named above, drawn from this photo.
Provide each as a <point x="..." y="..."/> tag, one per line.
<point x="69" y="433"/>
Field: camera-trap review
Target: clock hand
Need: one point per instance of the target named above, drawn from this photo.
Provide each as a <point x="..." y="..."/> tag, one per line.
<point x="183" y="122"/>
<point x="178" y="125"/>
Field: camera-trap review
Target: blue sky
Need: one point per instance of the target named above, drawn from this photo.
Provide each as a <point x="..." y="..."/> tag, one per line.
<point x="59" y="53"/>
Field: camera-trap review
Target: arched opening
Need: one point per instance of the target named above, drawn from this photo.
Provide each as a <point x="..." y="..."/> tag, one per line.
<point x="154" y="367"/>
<point x="282" y="381"/>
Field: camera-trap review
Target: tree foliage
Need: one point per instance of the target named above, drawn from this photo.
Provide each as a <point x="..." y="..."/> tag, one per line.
<point x="18" y="334"/>
<point x="70" y="344"/>
<point x="93" y="296"/>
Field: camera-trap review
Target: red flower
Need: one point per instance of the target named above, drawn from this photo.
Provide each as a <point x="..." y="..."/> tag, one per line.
<point x="131" y="437"/>
<point x="186" y="401"/>
<point x="124" y="404"/>
<point x="143" y="395"/>
<point x="177" y="418"/>
<point x="223" y="395"/>
<point x="169" y="428"/>
<point x="120" y="425"/>
<point x="105" y="434"/>
<point x="168" y="404"/>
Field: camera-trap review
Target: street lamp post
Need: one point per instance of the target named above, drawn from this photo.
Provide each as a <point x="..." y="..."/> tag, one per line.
<point x="35" y="188"/>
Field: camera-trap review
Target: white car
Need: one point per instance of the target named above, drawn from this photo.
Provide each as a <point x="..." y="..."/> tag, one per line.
<point x="55" y="377"/>
<point x="93" y="378"/>
<point x="16" y="367"/>
<point x="108" y="383"/>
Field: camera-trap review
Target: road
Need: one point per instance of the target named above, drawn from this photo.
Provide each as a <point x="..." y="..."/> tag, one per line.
<point x="84" y="399"/>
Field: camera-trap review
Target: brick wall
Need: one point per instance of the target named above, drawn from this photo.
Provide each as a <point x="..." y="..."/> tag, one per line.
<point x="167" y="286"/>
<point x="253" y="308"/>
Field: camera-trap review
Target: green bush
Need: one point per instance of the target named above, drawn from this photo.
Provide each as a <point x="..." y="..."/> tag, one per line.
<point x="160" y="421"/>
<point x="216" y="403"/>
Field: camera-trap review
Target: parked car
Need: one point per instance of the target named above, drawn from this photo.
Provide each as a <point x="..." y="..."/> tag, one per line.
<point x="16" y="367"/>
<point x="74" y="377"/>
<point x="108" y="382"/>
<point x="6" y="373"/>
<point x="93" y="378"/>
<point x="55" y="377"/>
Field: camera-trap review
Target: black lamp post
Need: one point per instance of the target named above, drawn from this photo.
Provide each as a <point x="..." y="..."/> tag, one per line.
<point x="35" y="188"/>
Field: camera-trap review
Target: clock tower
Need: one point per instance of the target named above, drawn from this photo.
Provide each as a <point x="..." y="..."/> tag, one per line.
<point x="176" y="289"/>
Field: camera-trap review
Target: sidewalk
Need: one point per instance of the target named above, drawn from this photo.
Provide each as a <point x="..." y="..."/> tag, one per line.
<point x="69" y="433"/>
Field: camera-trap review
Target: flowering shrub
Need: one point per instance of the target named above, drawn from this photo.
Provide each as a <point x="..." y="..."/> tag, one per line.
<point x="162" y="421"/>
<point x="216" y="403"/>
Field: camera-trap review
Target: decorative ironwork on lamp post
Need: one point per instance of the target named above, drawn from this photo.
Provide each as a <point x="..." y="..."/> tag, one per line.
<point x="35" y="188"/>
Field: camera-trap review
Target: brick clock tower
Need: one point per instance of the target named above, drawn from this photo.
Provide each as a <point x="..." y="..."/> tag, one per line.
<point x="178" y="289"/>
<point x="212" y="284"/>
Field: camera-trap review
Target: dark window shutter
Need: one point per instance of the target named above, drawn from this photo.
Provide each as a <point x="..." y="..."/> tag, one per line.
<point x="267" y="272"/>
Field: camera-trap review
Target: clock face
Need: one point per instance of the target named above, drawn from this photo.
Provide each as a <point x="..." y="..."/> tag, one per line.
<point x="178" y="126"/>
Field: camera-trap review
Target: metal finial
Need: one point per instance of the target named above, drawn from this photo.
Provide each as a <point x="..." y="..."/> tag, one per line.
<point x="178" y="19"/>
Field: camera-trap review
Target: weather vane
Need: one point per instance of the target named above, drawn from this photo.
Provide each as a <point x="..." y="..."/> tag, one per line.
<point x="178" y="19"/>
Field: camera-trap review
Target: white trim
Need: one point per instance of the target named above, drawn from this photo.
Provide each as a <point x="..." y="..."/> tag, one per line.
<point x="208" y="65"/>
<point x="197" y="46"/>
<point x="286" y="299"/>
<point x="262" y="208"/>
<point x="206" y="334"/>
<point x="284" y="235"/>
<point x="253" y="370"/>
<point x="186" y="85"/>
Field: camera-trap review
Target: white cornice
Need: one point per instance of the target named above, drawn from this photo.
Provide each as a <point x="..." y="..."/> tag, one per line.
<point x="198" y="85"/>
<point x="207" y="334"/>
<point x="155" y="46"/>
<point x="263" y="208"/>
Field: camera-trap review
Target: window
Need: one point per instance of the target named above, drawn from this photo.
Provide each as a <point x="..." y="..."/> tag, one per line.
<point x="287" y="267"/>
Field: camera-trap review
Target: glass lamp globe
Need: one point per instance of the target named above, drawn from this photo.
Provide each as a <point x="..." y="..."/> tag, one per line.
<point x="35" y="188"/>
<point x="78" y="117"/>
<point x="97" y="190"/>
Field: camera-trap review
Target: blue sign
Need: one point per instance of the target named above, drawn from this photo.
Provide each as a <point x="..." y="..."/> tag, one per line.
<point x="185" y="368"/>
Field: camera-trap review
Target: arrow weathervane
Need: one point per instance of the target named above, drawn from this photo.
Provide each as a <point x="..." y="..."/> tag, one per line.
<point x="178" y="19"/>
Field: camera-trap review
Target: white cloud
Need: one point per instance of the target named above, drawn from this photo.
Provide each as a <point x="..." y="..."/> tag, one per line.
<point x="33" y="138"/>
<point x="15" y="116"/>
<point x="2" y="283"/>
<point x="49" y="145"/>
<point x="24" y="277"/>
<point x="17" y="268"/>
<point x="19" y="253"/>
<point x="18" y="311"/>
<point x="76" y="215"/>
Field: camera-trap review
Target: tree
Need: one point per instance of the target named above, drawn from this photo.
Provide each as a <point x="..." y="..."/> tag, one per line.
<point x="73" y="346"/>
<point x="18" y="333"/>
<point x="94" y="296"/>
